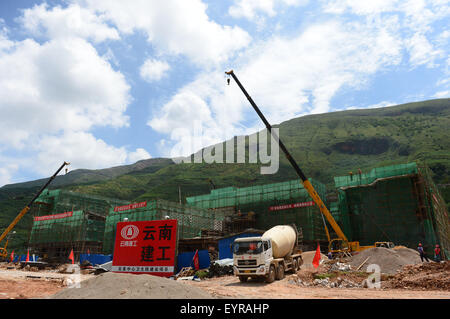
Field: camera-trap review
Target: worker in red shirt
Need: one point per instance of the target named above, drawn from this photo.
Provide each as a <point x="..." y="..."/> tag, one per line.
<point x="437" y="254"/>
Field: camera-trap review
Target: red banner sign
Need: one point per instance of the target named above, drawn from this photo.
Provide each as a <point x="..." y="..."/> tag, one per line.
<point x="290" y="206"/>
<point x="146" y="247"/>
<point x="130" y="206"/>
<point x="56" y="216"/>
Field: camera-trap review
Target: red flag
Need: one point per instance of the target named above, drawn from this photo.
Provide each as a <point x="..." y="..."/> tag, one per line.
<point x="12" y="256"/>
<point x="28" y="256"/>
<point x="71" y="256"/>
<point x="196" y="262"/>
<point x="316" y="259"/>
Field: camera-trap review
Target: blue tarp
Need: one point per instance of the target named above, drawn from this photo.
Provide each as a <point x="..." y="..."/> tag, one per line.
<point x="95" y="259"/>
<point x="225" y="243"/>
<point x="185" y="260"/>
<point x="24" y="258"/>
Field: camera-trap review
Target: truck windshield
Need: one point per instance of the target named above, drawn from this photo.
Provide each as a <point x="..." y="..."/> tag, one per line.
<point x="248" y="247"/>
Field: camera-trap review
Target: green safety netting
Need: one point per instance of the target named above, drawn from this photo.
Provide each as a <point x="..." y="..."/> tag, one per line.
<point x="376" y="173"/>
<point x="260" y="198"/>
<point x="78" y="227"/>
<point x="191" y="220"/>
<point x="398" y="208"/>
<point x="56" y="201"/>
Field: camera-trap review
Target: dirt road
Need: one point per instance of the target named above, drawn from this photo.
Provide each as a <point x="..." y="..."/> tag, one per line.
<point x="231" y="287"/>
<point x="18" y="284"/>
<point x="21" y="284"/>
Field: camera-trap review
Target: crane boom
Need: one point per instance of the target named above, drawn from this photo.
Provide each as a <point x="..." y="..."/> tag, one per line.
<point x="306" y="183"/>
<point x="28" y="206"/>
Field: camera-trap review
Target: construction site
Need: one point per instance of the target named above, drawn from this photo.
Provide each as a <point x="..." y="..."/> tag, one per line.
<point x="383" y="233"/>
<point x="398" y="204"/>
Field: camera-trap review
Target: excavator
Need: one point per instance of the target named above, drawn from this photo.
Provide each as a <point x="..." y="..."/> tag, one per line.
<point x="6" y="232"/>
<point x="339" y="246"/>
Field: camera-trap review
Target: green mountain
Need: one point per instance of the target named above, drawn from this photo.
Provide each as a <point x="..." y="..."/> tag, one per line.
<point x="324" y="146"/>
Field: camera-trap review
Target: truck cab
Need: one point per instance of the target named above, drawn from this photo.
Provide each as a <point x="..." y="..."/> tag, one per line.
<point x="252" y="257"/>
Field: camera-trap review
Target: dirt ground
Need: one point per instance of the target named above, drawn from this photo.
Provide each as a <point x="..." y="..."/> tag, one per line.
<point x="231" y="287"/>
<point x="22" y="284"/>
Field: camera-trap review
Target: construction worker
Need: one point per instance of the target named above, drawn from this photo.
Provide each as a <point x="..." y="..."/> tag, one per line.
<point x="422" y="253"/>
<point x="437" y="254"/>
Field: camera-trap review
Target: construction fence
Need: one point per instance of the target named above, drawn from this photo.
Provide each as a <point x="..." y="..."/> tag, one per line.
<point x="398" y="203"/>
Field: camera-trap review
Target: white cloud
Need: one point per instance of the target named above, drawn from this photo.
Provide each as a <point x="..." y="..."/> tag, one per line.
<point x="249" y="9"/>
<point x="174" y="27"/>
<point x="6" y="173"/>
<point x="153" y="70"/>
<point x="422" y="51"/>
<point x="60" y="22"/>
<point x="442" y="94"/>
<point x="81" y="149"/>
<point x="372" y="106"/>
<point x="139" y="154"/>
<point x="63" y="85"/>
<point x="359" y="7"/>
<point x="417" y="18"/>
<point x="305" y="73"/>
<point x="52" y="95"/>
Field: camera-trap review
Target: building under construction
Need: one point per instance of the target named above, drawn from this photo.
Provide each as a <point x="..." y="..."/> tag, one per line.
<point x="264" y="206"/>
<point x="398" y="203"/>
<point x="192" y="221"/>
<point x="65" y="220"/>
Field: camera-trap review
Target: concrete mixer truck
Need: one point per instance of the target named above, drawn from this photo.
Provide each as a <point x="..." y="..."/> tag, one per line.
<point x="269" y="256"/>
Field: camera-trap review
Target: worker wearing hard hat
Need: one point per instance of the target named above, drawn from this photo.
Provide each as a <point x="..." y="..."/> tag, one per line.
<point x="437" y="254"/>
<point x="422" y="253"/>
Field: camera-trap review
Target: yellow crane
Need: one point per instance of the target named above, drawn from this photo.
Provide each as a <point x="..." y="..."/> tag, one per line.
<point x="3" y="251"/>
<point x="340" y="245"/>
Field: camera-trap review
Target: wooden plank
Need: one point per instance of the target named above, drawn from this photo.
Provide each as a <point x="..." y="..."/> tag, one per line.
<point x="363" y="263"/>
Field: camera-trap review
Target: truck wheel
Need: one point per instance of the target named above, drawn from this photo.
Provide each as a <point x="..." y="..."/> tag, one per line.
<point x="271" y="276"/>
<point x="243" y="278"/>
<point x="280" y="272"/>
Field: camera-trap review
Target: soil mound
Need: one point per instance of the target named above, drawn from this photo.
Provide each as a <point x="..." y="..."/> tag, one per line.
<point x="389" y="260"/>
<point x="430" y="276"/>
<point x="129" y="286"/>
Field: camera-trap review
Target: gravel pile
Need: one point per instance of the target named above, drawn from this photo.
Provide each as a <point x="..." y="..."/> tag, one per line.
<point x="129" y="286"/>
<point x="389" y="260"/>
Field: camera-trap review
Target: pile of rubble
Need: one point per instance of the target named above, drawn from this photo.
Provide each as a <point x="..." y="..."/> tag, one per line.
<point x="429" y="276"/>
<point x="326" y="282"/>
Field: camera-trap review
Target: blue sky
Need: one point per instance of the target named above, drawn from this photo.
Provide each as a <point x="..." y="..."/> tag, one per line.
<point x="109" y="82"/>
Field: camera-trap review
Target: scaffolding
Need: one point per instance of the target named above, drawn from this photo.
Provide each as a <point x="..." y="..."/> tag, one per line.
<point x="54" y="236"/>
<point x="191" y="220"/>
<point x="265" y="206"/>
<point x="57" y="201"/>
<point x="398" y="203"/>
<point x="65" y="221"/>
